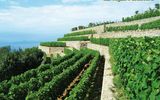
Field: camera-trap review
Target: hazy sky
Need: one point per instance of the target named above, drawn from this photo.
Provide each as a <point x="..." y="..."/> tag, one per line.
<point x="25" y="20"/>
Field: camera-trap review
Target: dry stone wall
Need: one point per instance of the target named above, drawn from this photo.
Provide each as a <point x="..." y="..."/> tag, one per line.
<point x="76" y="44"/>
<point x="52" y="50"/>
<point x="100" y="29"/>
<point x="107" y="85"/>
<point x="150" y="33"/>
<point x="121" y="34"/>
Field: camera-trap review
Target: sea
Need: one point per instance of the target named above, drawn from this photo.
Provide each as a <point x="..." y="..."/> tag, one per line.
<point x="20" y="44"/>
<point x="22" y="41"/>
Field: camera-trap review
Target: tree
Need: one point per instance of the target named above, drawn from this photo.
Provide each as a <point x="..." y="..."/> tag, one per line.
<point x="157" y="6"/>
<point x="91" y="24"/>
<point x="136" y="12"/>
<point x="19" y="61"/>
<point x="81" y="27"/>
<point x="74" y="29"/>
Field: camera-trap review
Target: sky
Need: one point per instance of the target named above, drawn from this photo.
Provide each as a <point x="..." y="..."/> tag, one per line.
<point x="46" y="20"/>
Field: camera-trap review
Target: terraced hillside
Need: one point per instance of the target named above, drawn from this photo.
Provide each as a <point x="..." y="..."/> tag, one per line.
<point x="133" y="53"/>
<point x="135" y="66"/>
<point x="62" y="78"/>
<point x="100" y="29"/>
<point x="108" y="62"/>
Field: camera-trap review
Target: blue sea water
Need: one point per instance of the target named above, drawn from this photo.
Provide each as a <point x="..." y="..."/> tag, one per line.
<point x="24" y="40"/>
<point x="18" y="45"/>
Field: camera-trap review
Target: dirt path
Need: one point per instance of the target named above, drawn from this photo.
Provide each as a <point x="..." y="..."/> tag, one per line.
<point x="76" y="80"/>
<point x="94" y="92"/>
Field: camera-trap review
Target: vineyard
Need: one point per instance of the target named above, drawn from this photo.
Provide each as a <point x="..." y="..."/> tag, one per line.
<point x="122" y="28"/>
<point x="80" y="38"/>
<point x="136" y="67"/>
<point x="80" y="33"/>
<point x="147" y="14"/>
<point x="51" y="80"/>
<point x="134" y="61"/>
<point x="151" y="25"/>
<point x="135" y="64"/>
<point x="100" y="41"/>
<point x="88" y="65"/>
<point x="53" y="44"/>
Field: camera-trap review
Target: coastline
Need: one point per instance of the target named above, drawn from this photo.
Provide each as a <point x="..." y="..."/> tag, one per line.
<point x="20" y="45"/>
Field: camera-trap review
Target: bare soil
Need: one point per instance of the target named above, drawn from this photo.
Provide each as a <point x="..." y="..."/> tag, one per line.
<point x="73" y="83"/>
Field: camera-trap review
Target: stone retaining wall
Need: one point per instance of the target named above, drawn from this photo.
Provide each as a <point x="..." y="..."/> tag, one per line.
<point x="100" y="29"/>
<point x="121" y="34"/>
<point x="125" y="34"/>
<point x="107" y="85"/>
<point x="52" y="50"/>
<point x="76" y="44"/>
<point x="100" y="48"/>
